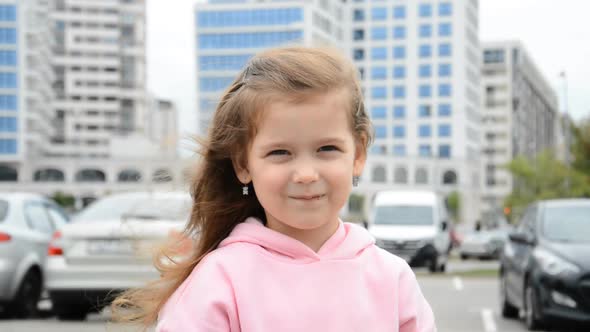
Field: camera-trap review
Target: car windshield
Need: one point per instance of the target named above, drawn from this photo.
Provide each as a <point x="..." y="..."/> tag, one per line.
<point x="567" y="223"/>
<point x="3" y="210"/>
<point x="403" y="215"/>
<point x="137" y="207"/>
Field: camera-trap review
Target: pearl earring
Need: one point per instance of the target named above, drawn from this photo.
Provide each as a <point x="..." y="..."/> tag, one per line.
<point x="355" y="181"/>
<point x="245" y="190"/>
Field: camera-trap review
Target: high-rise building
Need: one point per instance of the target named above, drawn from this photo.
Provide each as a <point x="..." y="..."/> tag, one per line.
<point x="231" y="32"/>
<point x="25" y="84"/>
<point x="99" y="62"/>
<point x="419" y="66"/>
<point x="520" y="116"/>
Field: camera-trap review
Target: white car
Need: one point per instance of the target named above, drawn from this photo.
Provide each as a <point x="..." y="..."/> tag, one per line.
<point x="109" y="247"/>
<point x="27" y="222"/>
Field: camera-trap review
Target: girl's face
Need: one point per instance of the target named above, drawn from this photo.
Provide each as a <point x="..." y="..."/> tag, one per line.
<point x="301" y="163"/>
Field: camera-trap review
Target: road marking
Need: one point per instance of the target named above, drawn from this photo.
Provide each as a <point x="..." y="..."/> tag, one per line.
<point x="458" y="283"/>
<point x="488" y="320"/>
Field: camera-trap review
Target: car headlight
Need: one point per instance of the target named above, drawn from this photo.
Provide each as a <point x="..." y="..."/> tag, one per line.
<point x="554" y="265"/>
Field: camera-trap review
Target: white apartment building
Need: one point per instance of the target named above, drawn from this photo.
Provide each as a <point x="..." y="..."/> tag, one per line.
<point x="161" y="125"/>
<point x="520" y="116"/>
<point x="99" y="61"/>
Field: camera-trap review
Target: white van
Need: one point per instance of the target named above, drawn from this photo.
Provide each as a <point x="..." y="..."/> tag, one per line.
<point x="413" y="225"/>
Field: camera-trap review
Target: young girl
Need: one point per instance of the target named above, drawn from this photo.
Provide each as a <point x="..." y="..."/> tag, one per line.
<point x="288" y="140"/>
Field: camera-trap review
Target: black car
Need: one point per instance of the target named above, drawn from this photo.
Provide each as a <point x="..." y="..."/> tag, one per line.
<point x="545" y="265"/>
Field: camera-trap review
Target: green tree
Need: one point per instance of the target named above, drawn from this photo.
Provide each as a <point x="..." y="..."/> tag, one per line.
<point x="581" y="147"/>
<point x="64" y="200"/>
<point x="544" y="177"/>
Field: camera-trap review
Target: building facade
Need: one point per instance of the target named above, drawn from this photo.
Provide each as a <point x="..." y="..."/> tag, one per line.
<point x="520" y="116"/>
<point x="419" y="67"/>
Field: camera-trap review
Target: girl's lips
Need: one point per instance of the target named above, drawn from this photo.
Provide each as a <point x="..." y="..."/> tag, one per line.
<point x="308" y="198"/>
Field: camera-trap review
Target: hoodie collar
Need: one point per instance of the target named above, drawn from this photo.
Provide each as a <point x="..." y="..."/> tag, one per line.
<point x="347" y="242"/>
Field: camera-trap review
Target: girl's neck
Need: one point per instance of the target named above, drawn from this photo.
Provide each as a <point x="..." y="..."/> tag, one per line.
<point x="313" y="238"/>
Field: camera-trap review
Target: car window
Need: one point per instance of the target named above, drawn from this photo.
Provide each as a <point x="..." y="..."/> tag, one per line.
<point x="403" y="215"/>
<point x="37" y="217"/>
<point x="58" y="217"/>
<point x="526" y="224"/>
<point x="3" y="210"/>
<point x="567" y="223"/>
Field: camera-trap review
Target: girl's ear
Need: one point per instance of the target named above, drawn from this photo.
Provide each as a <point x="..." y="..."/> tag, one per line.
<point x="360" y="156"/>
<point x="241" y="173"/>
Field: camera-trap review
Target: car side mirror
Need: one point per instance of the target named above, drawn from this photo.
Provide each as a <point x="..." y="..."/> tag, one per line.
<point x="444" y="225"/>
<point x="521" y="238"/>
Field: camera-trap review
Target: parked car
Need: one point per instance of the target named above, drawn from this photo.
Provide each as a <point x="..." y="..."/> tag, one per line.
<point x="545" y="266"/>
<point x="27" y="222"/>
<point x="108" y="248"/>
<point x="413" y="225"/>
<point x="484" y="244"/>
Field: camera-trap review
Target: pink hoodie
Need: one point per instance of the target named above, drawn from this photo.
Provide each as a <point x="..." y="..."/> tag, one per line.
<point x="261" y="280"/>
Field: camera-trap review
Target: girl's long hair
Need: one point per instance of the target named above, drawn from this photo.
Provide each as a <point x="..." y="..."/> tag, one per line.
<point x="218" y="203"/>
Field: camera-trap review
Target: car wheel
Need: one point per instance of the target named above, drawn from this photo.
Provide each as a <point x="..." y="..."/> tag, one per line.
<point x="507" y="309"/>
<point x="72" y="313"/>
<point x="531" y="312"/>
<point x="434" y="266"/>
<point x="27" y="296"/>
<point x="464" y="257"/>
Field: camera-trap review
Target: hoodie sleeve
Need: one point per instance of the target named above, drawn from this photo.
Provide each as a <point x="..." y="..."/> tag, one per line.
<point x="415" y="314"/>
<point x="203" y="303"/>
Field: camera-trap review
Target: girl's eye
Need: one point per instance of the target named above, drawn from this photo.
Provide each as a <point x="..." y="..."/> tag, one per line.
<point x="329" y="148"/>
<point x="278" y="153"/>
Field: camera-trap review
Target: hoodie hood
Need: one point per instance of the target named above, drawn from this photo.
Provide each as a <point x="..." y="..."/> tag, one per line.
<point x="347" y="242"/>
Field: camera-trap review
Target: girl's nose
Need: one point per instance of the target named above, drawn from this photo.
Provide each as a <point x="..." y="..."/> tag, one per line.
<point x="305" y="174"/>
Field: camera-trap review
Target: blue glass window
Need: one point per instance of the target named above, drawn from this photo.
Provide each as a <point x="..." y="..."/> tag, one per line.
<point x="358" y="34"/>
<point x="424" y="131"/>
<point x="248" y="39"/>
<point x="379" y="13"/>
<point x="399" y="32"/>
<point x="444" y="130"/>
<point x="424" y="150"/>
<point x="444" y="90"/>
<point x="399" y="91"/>
<point x="256" y="17"/>
<point x="424" y="71"/>
<point x="444" y="69"/>
<point x="359" y="15"/>
<point x="223" y="62"/>
<point x="8" y="124"/>
<point x="378" y="112"/>
<point x="444" y="49"/>
<point x="399" y="112"/>
<point x="7" y="58"/>
<point x="424" y="111"/>
<point x="379" y="73"/>
<point x="424" y="90"/>
<point x="379" y="33"/>
<point x="209" y="84"/>
<point x="378" y="92"/>
<point x="8" y="102"/>
<point x="8" y="146"/>
<point x="378" y="149"/>
<point x="399" y="52"/>
<point x="425" y="10"/>
<point x="8" y="13"/>
<point x="7" y="36"/>
<point x="445" y="9"/>
<point x="7" y="80"/>
<point x="444" y="29"/>
<point x="444" y="151"/>
<point x="424" y="51"/>
<point x="444" y="110"/>
<point x="399" y="72"/>
<point x="399" y="150"/>
<point x="380" y="131"/>
<point x="425" y="30"/>
<point x="359" y="54"/>
<point x="399" y="12"/>
<point x="379" y="53"/>
<point x="399" y="131"/>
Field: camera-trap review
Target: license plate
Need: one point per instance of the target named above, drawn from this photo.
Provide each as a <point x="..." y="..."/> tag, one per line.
<point x="110" y="247"/>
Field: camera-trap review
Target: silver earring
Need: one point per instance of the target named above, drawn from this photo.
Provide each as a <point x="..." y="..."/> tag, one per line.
<point x="245" y="190"/>
<point x="355" y="181"/>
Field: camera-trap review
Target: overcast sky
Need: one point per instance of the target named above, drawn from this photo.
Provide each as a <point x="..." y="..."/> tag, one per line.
<point x="555" y="33"/>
